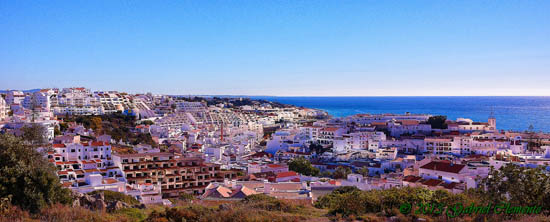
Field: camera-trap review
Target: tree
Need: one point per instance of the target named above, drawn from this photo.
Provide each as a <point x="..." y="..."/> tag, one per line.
<point x="317" y="148"/>
<point x="34" y="134"/>
<point x="63" y="127"/>
<point x="341" y="172"/>
<point x="303" y="166"/>
<point x="518" y="185"/>
<point x="27" y="179"/>
<point x="147" y="122"/>
<point x="56" y="131"/>
<point x="96" y="124"/>
<point x="531" y="144"/>
<point x="364" y="171"/>
<point x="438" y="122"/>
<point x="326" y="173"/>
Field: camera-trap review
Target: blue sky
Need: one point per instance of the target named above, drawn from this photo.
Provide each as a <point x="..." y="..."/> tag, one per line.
<point x="285" y="48"/>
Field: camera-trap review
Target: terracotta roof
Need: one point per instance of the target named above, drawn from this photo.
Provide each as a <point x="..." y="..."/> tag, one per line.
<point x="274" y="165"/>
<point x="443" y="166"/>
<point x="247" y="191"/>
<point x="99" y="143"/>
<point x="223" y="191"/>
<point x="287" y="174"/>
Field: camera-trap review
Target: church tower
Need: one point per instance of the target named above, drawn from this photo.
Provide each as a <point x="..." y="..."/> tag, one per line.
<point x="492" y="121"/>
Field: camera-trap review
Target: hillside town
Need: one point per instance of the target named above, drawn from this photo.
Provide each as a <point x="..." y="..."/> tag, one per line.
<point x="157" y="147"/>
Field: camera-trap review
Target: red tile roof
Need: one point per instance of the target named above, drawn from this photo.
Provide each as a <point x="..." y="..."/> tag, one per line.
<point x="274" y="165"/>
<point x="443" y="166"/>
<point x="287" y="174"/>
<point x="99" y="143"/>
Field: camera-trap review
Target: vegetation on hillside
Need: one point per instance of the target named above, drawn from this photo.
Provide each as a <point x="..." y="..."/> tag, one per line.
<point x="303" y="166"/>
<point x="254" y="208"/>
<point x="31" y="191"/>
<point x="341" y="172"/>
<point x="117" y="125"/>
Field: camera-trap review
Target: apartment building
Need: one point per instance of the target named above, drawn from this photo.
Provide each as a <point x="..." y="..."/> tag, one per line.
<point x="191" y="107"/>
<point x="76" y="101"/>
<point x="113" y="101"/>
<point x="410" y="127"/>
<point x="174" y="172"/>
<point x="14" y="97"/>
<point x="438" y="145"/>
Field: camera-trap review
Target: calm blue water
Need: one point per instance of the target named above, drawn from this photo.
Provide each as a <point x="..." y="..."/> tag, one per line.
<point x="512" y="113"/>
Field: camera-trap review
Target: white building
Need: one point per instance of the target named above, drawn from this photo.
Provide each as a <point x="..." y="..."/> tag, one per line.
<point x="464" y="125"/>
<point x="192" y="107"/>
<point x="146" y="193"/>
<point x="410" y="127"/>
<point x="37" y="100"/>
<point x="113" y="101"/>
<point x="76" y="101"/>
<point x="14" y="97"/>
<point x="444" y="170"/>
<point x="93" y="182"/>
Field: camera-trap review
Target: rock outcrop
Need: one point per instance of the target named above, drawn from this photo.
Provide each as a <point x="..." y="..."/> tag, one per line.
<point x="97" y="202"/>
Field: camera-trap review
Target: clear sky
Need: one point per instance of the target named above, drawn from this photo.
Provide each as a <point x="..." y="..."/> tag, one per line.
<point x="284" y="48"/>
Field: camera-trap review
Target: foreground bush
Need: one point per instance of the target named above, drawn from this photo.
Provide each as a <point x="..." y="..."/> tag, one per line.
<point x="27" y="179"/>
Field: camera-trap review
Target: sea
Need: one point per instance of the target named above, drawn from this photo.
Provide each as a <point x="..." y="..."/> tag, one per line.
<point x="511" y="113"/>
